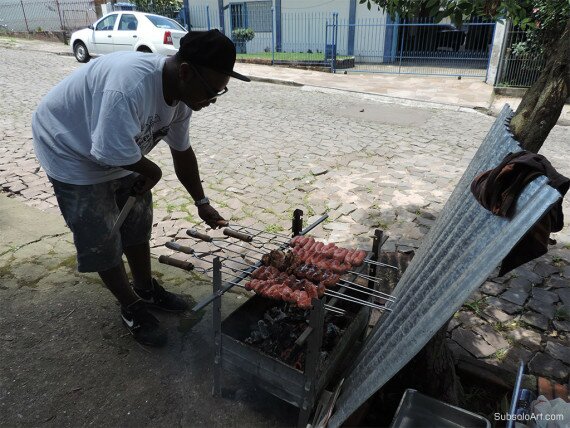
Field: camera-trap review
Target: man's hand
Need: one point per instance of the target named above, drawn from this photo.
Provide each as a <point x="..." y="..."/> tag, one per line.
<point x="211" y="216"/>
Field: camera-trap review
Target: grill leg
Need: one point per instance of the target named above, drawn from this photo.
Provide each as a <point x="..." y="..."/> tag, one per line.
<point x="217" y="321"/>
<point x="297" y="226"/>
<point x="313" y="355"/>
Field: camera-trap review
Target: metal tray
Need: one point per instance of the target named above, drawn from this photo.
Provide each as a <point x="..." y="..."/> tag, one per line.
<point x="417" y="411"/>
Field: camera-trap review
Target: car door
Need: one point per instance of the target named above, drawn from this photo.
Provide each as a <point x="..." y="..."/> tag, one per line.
<point x="103" y="34"/>
<point x="125" y="36"/>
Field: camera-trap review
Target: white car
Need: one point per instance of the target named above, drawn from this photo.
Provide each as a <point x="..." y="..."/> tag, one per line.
<point x="127" y="31"/>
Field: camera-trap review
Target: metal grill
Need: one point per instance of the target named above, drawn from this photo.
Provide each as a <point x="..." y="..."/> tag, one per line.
<point x="230" y="260"/>
<point x="240" y="250"/>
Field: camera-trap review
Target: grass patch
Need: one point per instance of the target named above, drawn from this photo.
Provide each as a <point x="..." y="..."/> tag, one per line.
<point x="308" y="208"/>
<point x="69" y="262"/>
<point x="248" y="212"/>
<point x="270" y="211"/>
<point x="505" y="327"/>
<point x="190" y="218"/>
<point x="476" y="306"/>
<point x="6" y="271"/>
<point x="500" y="354"/>
<point x="273" y="228"/>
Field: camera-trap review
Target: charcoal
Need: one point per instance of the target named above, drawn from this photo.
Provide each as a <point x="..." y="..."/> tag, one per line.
<point x="263" y="329"/>
<point x="281" y="326"/>
<point x="275" y="315"/>
<point x="331" y="336"/>
<point x="254" y="338"/>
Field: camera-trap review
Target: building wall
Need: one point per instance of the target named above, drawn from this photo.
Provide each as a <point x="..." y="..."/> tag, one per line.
<point x="303" y="25"/>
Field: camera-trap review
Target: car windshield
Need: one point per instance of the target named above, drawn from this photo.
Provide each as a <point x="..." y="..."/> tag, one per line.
<point x="162" y="22"/>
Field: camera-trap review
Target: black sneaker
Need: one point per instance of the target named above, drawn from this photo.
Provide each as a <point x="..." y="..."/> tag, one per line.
<point x="159" y="298"/>
<point x="143" y="325"/>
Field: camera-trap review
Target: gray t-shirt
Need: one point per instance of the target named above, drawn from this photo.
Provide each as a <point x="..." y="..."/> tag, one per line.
<point x="107" y="113"/>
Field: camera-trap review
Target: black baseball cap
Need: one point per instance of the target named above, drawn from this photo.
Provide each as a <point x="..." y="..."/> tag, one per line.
<point x="210" y="49"/>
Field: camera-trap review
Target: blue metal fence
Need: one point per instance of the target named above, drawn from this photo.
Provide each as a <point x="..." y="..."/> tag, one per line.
<point x="518" y="66"/>
<point x="377" y="45"/>
<point x="416" y="47"/>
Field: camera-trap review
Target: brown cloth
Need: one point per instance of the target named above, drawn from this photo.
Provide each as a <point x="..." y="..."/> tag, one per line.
<point x="498" y="189"/>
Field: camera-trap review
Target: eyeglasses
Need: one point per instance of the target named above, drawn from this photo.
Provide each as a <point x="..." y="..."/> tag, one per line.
<point x="212" y="93"/>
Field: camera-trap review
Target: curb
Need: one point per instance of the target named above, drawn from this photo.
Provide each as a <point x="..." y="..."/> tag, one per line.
<point x="275" y="81"/>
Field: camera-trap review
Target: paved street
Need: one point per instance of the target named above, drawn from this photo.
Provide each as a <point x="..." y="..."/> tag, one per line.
<point x="266" y="149"/>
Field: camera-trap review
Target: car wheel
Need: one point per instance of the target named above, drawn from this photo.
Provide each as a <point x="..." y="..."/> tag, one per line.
<point x="144" y="49"/>
<point x="81" y="53"/>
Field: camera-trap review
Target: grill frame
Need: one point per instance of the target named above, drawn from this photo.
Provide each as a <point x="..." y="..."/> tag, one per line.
<point x="299" y="388"/>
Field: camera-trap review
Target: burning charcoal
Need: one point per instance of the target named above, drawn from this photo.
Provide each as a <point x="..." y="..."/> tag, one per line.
<point x="274" y="315"/>
<point x="332" y="333"/>
<point x="279" y="316"/>
<point x="254" y="337"/>
<point x="263" y="329"/>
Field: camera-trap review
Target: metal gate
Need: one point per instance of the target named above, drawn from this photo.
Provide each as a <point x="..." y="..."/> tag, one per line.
<point x="402" y="47"/>
<point x="518" y="67"/>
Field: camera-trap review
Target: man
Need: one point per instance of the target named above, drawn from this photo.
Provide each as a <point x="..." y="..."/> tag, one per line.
<point x="91" y="135"/>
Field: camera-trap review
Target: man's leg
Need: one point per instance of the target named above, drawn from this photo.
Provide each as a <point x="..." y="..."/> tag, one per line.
<point x="90" y="212"/>
<point x="146" y="286"/>
<point x="138" y="257"/>
<point x="135" y="237"/>
<point x="116" y="280"/>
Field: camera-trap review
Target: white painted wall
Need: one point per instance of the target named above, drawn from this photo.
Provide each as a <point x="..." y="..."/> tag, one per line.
<point x="303" y="24"/>
<point x="317" y="6"/>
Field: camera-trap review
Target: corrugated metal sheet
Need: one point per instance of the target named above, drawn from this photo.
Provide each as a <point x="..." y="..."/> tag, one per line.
<point x="462" y="249"/>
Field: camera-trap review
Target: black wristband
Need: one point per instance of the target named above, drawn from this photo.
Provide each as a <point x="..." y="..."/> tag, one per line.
<point x="203" y="201"/>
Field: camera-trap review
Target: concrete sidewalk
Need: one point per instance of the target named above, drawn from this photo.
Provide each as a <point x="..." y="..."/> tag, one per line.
<point x="66" y="359"/>
<point x="467" y="92"/>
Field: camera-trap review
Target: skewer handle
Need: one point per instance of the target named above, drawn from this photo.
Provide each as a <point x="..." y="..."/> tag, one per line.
<point x="199" y="235"/>
<point x="177" y="247"/>
<point x="238" y="235"/>
<point x="176" y="263"/>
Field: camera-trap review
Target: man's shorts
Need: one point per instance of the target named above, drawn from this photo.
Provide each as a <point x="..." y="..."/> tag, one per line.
<point x="91" y="210"/>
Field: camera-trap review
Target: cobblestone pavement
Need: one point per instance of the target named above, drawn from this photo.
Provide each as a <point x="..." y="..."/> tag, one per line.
<point x="265" y="150"/>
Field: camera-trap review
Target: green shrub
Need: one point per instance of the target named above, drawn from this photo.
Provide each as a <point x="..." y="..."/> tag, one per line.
<point x="243" y="34"/>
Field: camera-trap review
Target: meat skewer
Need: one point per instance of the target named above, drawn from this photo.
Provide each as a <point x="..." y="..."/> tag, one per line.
<point x="328" y="280"/>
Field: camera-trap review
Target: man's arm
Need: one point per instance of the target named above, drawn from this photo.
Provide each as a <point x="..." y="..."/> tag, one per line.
<point x="150" y="174"/>
<point x="186" y="168"/>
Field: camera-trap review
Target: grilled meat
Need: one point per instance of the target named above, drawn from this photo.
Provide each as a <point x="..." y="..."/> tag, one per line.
<point x="303" y="274"/>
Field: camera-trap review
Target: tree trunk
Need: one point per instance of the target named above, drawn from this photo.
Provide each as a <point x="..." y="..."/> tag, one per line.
<point x="432" y="370"/>
<point x="542" y="103"/>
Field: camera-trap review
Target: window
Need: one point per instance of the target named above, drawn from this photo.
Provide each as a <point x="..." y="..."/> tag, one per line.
<point x="165" y="23"/>
<point x="239" y="18"/>
<point x="259" y="17"/>
<point x="107" y="23"/>
<point x="128" y="22"/>
<point x="253" y="14"/>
